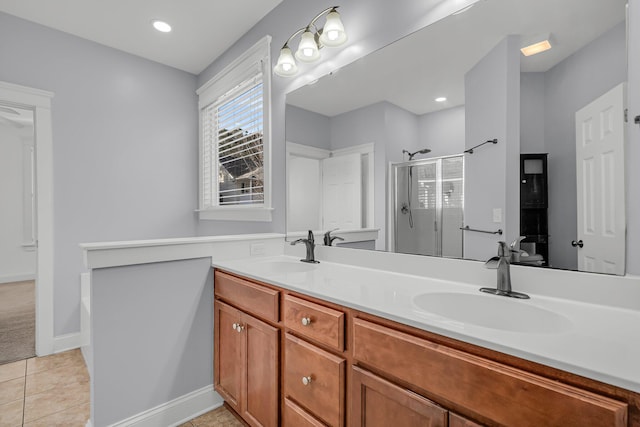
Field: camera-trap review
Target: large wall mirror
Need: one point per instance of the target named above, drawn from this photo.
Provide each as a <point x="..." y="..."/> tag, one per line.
<point x="374" y="147"/>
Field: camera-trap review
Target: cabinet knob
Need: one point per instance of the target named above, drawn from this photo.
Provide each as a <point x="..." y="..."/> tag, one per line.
<point x="306" y="380"/>
<point x="238" y="327"/>
<point x="306" y="321"/>
<point x="235" y="326"/>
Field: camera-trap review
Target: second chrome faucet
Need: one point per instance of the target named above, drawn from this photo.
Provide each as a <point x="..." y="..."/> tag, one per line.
<point x="501" y="263"/>
<point x="311" y="245"/>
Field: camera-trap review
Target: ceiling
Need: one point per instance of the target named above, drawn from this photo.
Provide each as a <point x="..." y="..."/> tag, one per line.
<point x="202" y="29"/>
<point x="432" y="62"/>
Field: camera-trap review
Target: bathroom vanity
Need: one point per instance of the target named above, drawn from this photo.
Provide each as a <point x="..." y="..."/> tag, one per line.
<point x="285" y="355"/>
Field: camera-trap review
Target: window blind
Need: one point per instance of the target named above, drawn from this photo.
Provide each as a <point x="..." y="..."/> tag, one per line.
<point x="233" y="148"/>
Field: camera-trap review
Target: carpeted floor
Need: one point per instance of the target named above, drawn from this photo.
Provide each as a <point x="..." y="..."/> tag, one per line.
<point x="17" y="321"/>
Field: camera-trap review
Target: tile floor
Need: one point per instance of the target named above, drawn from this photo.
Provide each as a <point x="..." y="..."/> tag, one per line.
<point x="54" y="391"/>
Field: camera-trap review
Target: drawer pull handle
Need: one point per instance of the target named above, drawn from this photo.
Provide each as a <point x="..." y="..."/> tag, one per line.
<point x="306" y="321"/>
<point x="306" y="380"/>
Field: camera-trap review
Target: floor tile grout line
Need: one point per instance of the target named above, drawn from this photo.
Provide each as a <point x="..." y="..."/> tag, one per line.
<point x="53" y="413"/>
<point x="24" y="392"/>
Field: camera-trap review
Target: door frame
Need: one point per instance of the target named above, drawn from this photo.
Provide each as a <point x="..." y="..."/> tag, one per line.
<point x="39" y="101"/>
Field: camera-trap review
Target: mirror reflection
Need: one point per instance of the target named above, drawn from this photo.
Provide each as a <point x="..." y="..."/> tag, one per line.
<point x="379" y="150"/>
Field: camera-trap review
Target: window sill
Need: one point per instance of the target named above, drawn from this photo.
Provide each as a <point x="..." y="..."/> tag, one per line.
<point x="236" y="214"/>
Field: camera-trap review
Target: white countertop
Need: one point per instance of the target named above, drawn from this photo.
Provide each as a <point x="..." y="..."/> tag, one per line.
<point x="596" y="341"/>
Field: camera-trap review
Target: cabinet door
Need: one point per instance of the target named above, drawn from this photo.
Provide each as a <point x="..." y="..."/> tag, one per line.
<point x="377" y="402"/>
<point x="228" y="356"/>
<point x="295" y="416"/>
<point x="456" y="420"/>
<point x="262" y="357"/>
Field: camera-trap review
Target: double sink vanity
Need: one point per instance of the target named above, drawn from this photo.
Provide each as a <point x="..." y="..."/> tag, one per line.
<point x="352" y="343"/>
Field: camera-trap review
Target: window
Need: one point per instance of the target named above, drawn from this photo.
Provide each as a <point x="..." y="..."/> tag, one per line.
<point x="235" y="139"/>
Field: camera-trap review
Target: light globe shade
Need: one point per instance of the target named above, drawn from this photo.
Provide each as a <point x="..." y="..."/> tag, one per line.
<point x="333" y="33"/>
<point x="286" y="65"/>
<point x="308" y="48"/>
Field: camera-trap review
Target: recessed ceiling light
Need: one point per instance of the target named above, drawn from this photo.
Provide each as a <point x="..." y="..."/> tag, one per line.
<point x="536" y="44"/>
<point x="536" y="48"/>
<point x="161" y="26"/>
<point x="441" y="99"/>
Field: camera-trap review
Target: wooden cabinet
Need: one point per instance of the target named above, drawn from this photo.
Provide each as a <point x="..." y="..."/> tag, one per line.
<point x="314" y="321"/>
<point x="260" y="301"/>
<point x="228" y="349"/>
<point x="456" y="420"/>
<point x="295" y="416"/>
<point x="282" y="358"/>
<point x="377" y="402"/>
<point x="246" y="358"/>
<point x="496" y="392"/>
<point x="315" y="379"/>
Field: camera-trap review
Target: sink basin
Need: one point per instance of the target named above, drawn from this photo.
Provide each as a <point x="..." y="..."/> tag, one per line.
<point x="283" y="267"/>
<point x="495" y="312"/>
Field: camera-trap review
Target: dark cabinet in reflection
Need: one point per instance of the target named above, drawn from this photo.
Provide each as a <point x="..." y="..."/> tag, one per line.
<point x="533" y="205"/>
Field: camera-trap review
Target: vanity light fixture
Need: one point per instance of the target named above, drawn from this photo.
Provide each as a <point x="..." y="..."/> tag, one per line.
<point x="312" y="39"/>
<point x="536" y="45"/>
<point x="161" y="26"/>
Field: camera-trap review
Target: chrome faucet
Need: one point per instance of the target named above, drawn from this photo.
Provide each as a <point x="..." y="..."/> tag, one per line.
<point x="501" y="263"/>
<point x="311" y="245"/>
<point x="328" y="240"/>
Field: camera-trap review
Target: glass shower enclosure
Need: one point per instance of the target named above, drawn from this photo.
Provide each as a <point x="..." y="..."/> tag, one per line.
<point x="428" y="206"/>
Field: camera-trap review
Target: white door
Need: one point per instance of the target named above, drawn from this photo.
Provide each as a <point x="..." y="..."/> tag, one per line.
<point x="304" y="196"/>
<point x="342" y="192"/>
<point x="600" y="136"/>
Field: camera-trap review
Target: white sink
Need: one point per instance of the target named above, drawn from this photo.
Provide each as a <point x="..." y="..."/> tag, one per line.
<point x="283" y="267"/>
<point x="492" y="311"/>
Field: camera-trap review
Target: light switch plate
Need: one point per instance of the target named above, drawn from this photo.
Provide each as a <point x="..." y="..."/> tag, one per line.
<point x="257" y="249"/>
<point x="497" y="215"/>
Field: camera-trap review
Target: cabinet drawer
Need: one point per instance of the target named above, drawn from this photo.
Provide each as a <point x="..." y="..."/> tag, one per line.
<point x="295" y="416"/>
<point x="256" y="299"/>
<point x="380" y="403"/>
<point x="323" y="396"/>
<point x="497" y="392"/>
<point x="456" y="420"/>
<point x="315" y="321"/>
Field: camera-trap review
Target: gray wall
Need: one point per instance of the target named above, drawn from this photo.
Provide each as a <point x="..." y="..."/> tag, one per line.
<point x="633" y="147"/>
<point x="124" y="141"/>
<point x="151" y="337"/>
<point x="487" y="172"/>
<point x="442" y="131"/>
<point x="532" y="113"/>
<point x="308" y="128"/>
<point x="569" y="86"/>
<point x="363" y="126"/>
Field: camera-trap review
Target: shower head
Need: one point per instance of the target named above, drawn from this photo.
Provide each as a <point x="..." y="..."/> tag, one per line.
<point x="423" y="151"/>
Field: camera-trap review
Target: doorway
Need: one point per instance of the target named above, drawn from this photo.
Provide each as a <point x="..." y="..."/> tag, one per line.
<point x="38" y="102"/>
<point x="18" y="234"/>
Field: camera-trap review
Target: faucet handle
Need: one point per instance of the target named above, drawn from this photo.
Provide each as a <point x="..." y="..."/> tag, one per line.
<point x="310" y="237"/>
<point x="503" y="249"/>
<point x="492" y="263"/>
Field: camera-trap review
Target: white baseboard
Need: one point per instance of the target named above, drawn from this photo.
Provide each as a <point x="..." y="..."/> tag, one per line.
<point x="88" y="359"/>
<point x="175" y="412"/>
<point x="67" y="342"/>
<point x="17" y="278"/>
